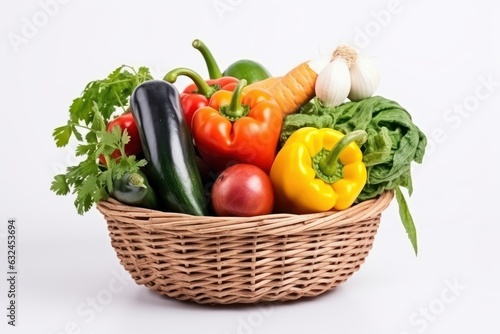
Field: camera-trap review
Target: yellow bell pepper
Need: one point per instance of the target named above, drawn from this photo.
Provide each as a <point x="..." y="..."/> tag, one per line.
<point x="318" y="170"/>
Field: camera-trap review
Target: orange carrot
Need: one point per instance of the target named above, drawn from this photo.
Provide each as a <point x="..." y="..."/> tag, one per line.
<point x="263" y="84"/>
<point x="295" y="88"/>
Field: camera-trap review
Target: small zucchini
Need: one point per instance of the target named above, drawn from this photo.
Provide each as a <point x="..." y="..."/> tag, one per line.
<point x="134" y="189"/>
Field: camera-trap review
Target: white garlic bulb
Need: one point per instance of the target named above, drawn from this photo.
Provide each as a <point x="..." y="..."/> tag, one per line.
<point x="333" y="83"/>
<point x="347" y="76"/>
<point x="365" y="78"/>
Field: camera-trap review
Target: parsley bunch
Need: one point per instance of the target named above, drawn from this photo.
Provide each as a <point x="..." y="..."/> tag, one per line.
<point x="89" y="180"/>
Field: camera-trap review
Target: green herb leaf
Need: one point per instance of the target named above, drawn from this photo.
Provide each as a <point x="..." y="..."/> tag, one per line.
<point x="407" y="219"/>
<point x="106" y="178"/>
<point x="125" y="138"/>
<point x="85" y="149"/>
<point x="98" y="122"/>
<point x="75" y="109"/>
<point x="88" y="117"/>
<point x="59" y="185"/>
<point x="76" y="133"/>
<point x="62" y="135"/>
<point x="91" y="137"/>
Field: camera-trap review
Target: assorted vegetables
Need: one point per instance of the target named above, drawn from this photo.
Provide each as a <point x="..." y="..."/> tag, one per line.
<point x="393" y="143"/>
<point x="393" y="140"/>
<point x="242" y="142"/>
<point x="91" y="180"/>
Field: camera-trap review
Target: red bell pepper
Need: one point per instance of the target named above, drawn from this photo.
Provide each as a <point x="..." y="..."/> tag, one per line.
<point x="199" y="92"/>
<point x="238" y="127"/>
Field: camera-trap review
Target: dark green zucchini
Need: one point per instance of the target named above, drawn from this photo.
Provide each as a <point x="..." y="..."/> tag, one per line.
<point x="134" y="189"/>
<point x="168" y="147"/>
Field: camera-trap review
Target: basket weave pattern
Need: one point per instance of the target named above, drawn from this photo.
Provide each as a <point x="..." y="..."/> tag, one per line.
<point x="226" y="260"/>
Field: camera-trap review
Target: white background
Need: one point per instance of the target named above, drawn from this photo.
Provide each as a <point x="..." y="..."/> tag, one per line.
<point x="436" y="59"/>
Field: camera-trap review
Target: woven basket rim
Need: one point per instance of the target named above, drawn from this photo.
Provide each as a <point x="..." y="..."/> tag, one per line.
<point x="279" y="223"/>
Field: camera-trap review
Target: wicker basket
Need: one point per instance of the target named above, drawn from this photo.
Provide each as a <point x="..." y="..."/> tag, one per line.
<point x="224" y="260"/>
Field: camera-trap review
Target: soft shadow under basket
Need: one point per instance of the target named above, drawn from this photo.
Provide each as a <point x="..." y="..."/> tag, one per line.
<point x="224" y="260"/>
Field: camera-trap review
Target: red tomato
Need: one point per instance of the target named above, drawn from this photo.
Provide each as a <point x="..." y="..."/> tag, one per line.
<point x="242" y="190"/>
<point x="134" y="146"/>
<point x="126" y="121"/>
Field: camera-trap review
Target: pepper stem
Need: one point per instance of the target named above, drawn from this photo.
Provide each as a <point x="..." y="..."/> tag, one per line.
<point x="328" y="164"/>
<point x="235" y="109"/>
<point x="213" y="69"/>
<point x="203" y="88"/>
